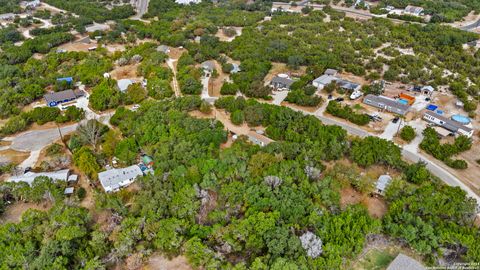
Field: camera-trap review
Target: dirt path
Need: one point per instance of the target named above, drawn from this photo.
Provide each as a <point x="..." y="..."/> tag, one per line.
<point x="172" y="66"/>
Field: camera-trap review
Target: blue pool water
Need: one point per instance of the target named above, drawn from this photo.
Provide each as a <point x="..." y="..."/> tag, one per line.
<point x="461" y="119"/>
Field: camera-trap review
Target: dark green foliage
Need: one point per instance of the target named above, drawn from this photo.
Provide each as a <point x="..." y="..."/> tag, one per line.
<point x="336" y="109"/>
<point x="304" y="97"/>
<point x="407" y="133"/>
<point x="417" y="173"/>
<point x="94" y="11"/>
<point x="373" y="150"/>
<point x="432" y="145"/>
<point x="432" y="216"/>
<point x="105" y="96"/>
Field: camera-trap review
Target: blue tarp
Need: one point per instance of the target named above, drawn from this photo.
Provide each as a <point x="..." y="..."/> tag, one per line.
<point x="65" y="79"/>
<point x="432" y="107"/>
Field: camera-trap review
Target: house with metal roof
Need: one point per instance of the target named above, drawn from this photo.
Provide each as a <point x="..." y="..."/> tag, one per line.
<point x="449" y="124"/>
<point x="163" y="48"/>
<point x="404" y="262"/>
<point x="386" y="103"/>
<point x="413" y="10"/>
<point x="329" y="76"/>
<point x="114" y="179"/>
<point x="208" y="67"/>
<point x="55" y="98"/>
<point x="29" y="177"/>
<point x="281" y="82"/>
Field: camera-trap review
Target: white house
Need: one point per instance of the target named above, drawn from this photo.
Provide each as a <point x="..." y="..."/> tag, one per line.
<point x="188" y="2"/>
<point x="29" y="177"/>
<point x="449" y="124"/>
<point x="413" y="10"/>
<point x="114" y="179"/>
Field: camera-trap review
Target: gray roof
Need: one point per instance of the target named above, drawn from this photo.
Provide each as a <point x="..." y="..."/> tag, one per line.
<point x="112" y="179"/>
<point x="210" y="65"/>
<point x="413" y="9"/>
<point x="331" y="72"/>
<point x="387" y="101"/>
<point x="68" y="190"/>
<point x="347" y="85"/>
<point x="325" y="79"/>
<point x="29" y="177"/>
<point x="163" y="48"/>
<point x="383" y="181"/>
<point x="449" y="124"/>
<point x="403" y="262"/>
<point x="282" y="80"/>
<point x="123" y="84"/>
<point x="60" y="96"/>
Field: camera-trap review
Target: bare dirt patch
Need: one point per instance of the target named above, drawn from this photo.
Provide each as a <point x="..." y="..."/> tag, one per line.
<point x="216" y="83"/>
<point x="14" y="212"/>
<point x="77" y="46"/>
<point x="125" y="72"/>
<point x="376" y="206"/>
<point x="160" y="262"/>
<point x="15" y="157"/>
<point x="221" y="35"/>
<point x="199" y="114"/>
<point x="349" y="196"/>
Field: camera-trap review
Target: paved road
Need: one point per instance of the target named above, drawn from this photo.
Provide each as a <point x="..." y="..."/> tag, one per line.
<point x="37" y="139"/>
<point x="141" y="6"/>
<point x="472" y="26"/>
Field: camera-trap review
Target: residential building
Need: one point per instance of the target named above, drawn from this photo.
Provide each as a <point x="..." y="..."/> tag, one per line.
<point x="449" y="124"/>
<point x="413" y="10"/>
<point x="235" y="69"/>
<point x="281" y="82"/>
<point x="7" y="16"/>
<point x="208" y="67"/>
<point x="403" y="262"/>
<point x="114" y="179"/>
<point x="163" y="48"/>
<point x="386" y="103"/>
<point x="55" y="98"/>
<point x="187" y="2"/>
<point x="382" y="183"/>
<point x="329" y="76"/>
<point x="331" y="72"/>
<point x="258" y="139"/>
<point x="32" y="4"/>
<point x="29" y="177"/>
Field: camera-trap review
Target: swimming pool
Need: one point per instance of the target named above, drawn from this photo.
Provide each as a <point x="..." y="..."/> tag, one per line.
<point x="461" y="119"/>
<point x="403" y="101"/>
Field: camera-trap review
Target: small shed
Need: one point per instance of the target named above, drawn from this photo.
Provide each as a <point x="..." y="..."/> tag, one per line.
<point x="73" y="178"/>
<point x="147" y="160"/>
<point x="428" y="90"/>
<point x="382" y="183"/>
<point x="69" y="191"/>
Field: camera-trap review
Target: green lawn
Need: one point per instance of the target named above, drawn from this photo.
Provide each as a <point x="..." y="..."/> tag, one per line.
<point x="376" y="260"/>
